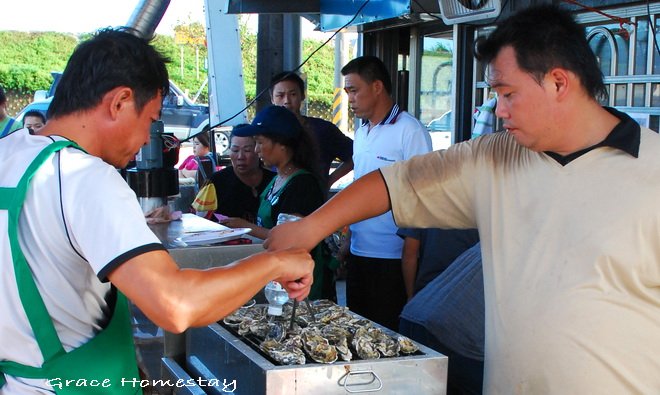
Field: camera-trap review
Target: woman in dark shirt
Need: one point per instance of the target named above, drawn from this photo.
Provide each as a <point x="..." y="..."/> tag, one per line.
<point x="239" y="186"/>
<point x="282" y="143"/>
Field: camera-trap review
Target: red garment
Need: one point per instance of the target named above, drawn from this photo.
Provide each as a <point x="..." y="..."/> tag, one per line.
<point x="189" y="163"/>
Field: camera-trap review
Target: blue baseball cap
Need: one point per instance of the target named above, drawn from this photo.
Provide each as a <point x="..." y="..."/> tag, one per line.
<point x="272" y="120"/>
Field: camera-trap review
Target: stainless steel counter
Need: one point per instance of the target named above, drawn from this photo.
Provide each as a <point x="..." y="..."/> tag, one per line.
<point x="171" y="233"/>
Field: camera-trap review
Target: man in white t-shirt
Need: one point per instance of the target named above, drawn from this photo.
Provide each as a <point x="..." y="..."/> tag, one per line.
<point x="565" y="201"/>
<point x="74" y="239"/>
<point x="374" y="280"/>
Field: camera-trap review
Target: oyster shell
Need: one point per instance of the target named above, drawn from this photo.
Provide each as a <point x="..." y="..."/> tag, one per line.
<point x="335" y="333"/>
<point x="318" y="347"/>
<point x="283" y="353"/>
<point x="363" y="344"/>
<point x="387" y="345"/>
<point x="338" y="337"/>
<point x="276" y="331"/>
<point x="407" y="345"/>
<point x="234" y="319"/>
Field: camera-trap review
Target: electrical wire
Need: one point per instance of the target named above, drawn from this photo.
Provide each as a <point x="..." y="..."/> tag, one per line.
<point x="291" y="72"/>
<point x="622" y="21"/>
<point x="504" y="3"/>
<point x="170" y="142"/>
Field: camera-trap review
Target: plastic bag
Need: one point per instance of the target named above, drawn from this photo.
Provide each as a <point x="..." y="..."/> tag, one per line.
<point x="206" y="199"/>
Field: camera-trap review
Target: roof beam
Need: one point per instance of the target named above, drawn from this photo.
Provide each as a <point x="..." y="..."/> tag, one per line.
<point x="274" y="7"/>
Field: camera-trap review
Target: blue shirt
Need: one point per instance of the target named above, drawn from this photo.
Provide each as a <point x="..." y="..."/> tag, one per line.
<point x="451" y="307"/>
<point x="438" y="249"/>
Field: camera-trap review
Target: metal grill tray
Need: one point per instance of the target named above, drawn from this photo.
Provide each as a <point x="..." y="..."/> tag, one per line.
<point x="253" y="342"/>
<point x="213" y="352"/>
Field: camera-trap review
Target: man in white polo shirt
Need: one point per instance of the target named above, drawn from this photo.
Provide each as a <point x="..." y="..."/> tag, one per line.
<point x="374" y="283"/>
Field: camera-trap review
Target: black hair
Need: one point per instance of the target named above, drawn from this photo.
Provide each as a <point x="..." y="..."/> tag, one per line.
<point x="236" y="127"/>
<point x="370" y="69"/>
<point x="203" y="139"/>
<point x="35" y="113"/>
<point x="545" y="37"/>
<point x="304" y="147"/>
<point x="3" y="96"/>
<point x="287" y="76"/>
<point x="110" y="59"/>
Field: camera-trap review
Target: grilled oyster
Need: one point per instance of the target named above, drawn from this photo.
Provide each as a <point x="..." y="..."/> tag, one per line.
<point x="363" y="344"/>
<point x="338" y="337"/>
<point x="317" y="347"/>
<point x="387" y="345"/>
<point x="260" y="328"/>
<point x="294" y="340"/>
<point x="269" y="344"/>
<point x="234" y="319"/>
<point x="285" y="354"/>
<point x="331" y="314"/>
<point x="407" y="345"/>
<point x="244" y="326"/>
<point x="276" y="331"/>
<point x="322" y="304"/>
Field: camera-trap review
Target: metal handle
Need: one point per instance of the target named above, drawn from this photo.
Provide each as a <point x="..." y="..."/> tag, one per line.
<point x="346" y="385"/>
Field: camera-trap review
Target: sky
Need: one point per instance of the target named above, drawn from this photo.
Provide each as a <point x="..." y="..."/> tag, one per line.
<point x="81" y="16"/>
<point x="78" y="16"/>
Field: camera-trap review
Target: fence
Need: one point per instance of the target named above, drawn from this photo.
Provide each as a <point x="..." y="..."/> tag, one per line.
<point x="16" y="100"/>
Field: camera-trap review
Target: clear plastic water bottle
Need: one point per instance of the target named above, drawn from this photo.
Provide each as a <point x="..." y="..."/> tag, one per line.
<point x="276" y="296"/>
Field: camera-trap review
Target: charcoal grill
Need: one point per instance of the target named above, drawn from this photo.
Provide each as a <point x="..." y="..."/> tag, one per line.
<point x="215" y="354"/>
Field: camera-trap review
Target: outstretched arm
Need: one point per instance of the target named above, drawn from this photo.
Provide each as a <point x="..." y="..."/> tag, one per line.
<point x="409" y="263"/>
<point x="365" y="198"/>
<point x="256" y="231"/>
<point x="176" y="299"/>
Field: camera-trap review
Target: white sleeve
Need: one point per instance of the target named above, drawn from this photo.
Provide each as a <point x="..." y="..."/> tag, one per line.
<point x="103" y="217"/>
<point x="416" y="139"/>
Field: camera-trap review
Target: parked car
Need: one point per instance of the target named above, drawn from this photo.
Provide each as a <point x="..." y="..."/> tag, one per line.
<point x="180" y="115"/>
<point x="440" y="130"/>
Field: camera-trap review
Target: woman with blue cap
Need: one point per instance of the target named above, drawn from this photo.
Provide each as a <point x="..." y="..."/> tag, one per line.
<point x="283" y="144"/>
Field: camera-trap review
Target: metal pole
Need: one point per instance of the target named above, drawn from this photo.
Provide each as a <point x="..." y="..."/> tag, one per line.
<point x="291" y="42"/>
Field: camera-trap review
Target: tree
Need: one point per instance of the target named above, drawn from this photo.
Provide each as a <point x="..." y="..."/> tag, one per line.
<point x="26" y="59"/>
<point x="189" y="46"/>
<point x="249" y="59"/>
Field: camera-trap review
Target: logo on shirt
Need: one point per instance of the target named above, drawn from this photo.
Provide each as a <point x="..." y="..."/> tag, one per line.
<point x="385" y="159"/>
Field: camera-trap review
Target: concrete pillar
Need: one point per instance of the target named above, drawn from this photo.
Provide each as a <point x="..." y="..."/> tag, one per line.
<point x="269" y="53"/>
<point x="279" y="47"/>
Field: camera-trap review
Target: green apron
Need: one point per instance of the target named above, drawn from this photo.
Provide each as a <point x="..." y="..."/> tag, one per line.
<point x="320" y="254"/>
<point x="104" y="365"/>
<point x="265" y="212"/>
